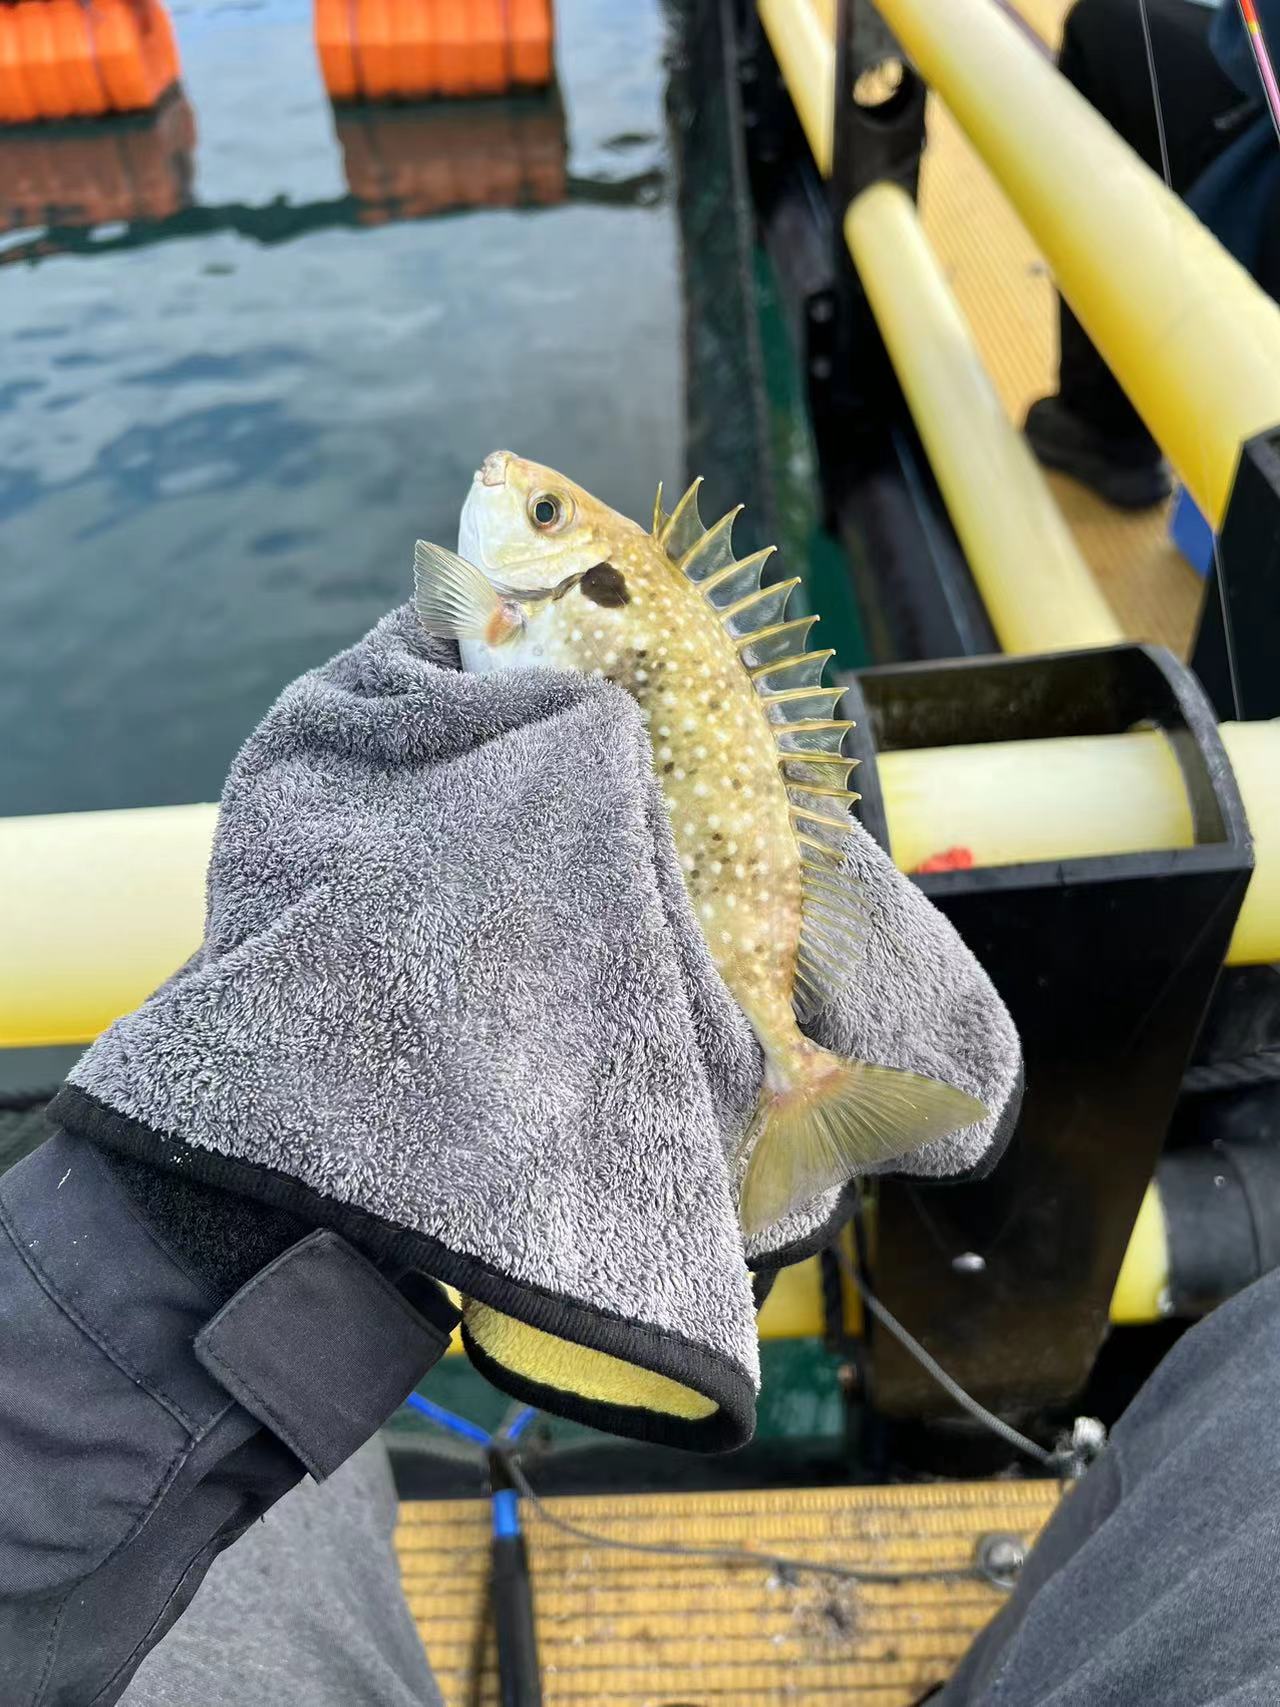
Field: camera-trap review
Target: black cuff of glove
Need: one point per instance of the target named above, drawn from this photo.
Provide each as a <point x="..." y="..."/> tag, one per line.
<point x="221" y="1240"/>
<point x="321" y="1347"/>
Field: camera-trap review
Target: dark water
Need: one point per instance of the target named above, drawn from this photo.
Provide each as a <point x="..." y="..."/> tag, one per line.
<point x="221" y="432"/>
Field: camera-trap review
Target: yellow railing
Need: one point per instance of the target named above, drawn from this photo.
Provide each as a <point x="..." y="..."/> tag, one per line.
<point x="1038" y="591"/>
<point x="1191" y="338"/>
<point x="100" y="907"/>
<point x="1037" y="588"/>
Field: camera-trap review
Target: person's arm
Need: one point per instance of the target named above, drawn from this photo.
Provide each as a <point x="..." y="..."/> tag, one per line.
<point x="172" y="1360"/>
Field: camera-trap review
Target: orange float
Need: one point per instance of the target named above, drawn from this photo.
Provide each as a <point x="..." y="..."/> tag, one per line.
<point x="18" y="103"/>
<point x="33" y="24"/>
<point x="380" y="50"/>
<point x="332" y="23"/>
<point x="529" y="25"/>
<point x="76" y="59"/>
<point x="63" y="59"/>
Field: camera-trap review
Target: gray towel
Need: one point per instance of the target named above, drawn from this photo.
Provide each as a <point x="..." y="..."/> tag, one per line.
<point x="452" y="1000"/>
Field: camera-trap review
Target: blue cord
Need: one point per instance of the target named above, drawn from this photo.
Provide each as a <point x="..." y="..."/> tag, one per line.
<point x="506" y="1514"/>
<point x="516" y="1427"/>
<point x="455" y="1424"/>
<point x="448" y="1420"/>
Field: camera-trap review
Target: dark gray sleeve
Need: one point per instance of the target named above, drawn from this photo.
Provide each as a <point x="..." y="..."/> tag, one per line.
<point x="1156" y="1581"/>
<point x="145" y="1422"/>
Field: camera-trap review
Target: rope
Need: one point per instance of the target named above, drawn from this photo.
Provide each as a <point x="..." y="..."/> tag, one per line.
<point x="1260" y="1068"/>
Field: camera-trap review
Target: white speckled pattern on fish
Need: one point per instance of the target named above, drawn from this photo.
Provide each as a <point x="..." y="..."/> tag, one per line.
<point x="748" y="755"/>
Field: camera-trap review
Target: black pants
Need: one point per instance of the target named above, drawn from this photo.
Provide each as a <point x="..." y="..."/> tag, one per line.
<point x="1104" y="57"/>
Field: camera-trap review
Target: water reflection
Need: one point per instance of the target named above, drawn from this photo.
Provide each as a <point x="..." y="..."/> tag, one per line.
<point x="243" y="373"/>
<point x="96" y="172"/>
<point x="411" y="163"/>
<point x="125" y="184"/>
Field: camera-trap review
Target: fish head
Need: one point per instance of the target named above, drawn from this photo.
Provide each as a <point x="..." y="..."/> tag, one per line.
<point x="529" y="528"/>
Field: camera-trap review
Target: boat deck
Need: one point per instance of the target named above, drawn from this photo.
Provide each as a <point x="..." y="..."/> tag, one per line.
<point x="622" y="1629"/>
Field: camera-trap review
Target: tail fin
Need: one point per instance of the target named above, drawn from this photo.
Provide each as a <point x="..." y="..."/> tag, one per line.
<point x="834" y="1120"/>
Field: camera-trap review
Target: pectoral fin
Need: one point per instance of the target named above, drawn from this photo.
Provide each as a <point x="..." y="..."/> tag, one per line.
<point x="454" y="601"/>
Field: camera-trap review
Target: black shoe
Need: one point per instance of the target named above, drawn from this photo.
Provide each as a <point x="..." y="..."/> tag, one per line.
<point x="1129" y="473"/>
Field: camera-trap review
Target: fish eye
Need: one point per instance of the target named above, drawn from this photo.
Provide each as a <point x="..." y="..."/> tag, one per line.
<point x="548" y="512"/>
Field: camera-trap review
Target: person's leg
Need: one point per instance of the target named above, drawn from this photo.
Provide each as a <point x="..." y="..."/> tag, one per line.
<point x="1089" y="428"/>
<point x="1156" y="1579"/>
<point x="305" y="1610"/>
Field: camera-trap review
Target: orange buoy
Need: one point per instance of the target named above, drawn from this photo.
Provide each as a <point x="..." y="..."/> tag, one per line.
<point x="332" y="22"/>
<point x="76" y="60"/>
<point x="117" y="44"/>
<point x="529" y="23"/>
<point x="39" y="51"/>
<point x="488" y="69"/>
<point x="64" y="59"/>
<point x="412" y="30"/>
<point x="453" y="44"/>
<point x="18" y="103"/>
<point x="376" y="50"/>
<point x="160" y="49"/>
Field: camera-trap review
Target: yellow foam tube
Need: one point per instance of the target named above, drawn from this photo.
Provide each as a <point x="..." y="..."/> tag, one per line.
<point x="793" y="1309"/>
<point x="1190" y="337"/>
<point x="1009" y="802"/>
<point x="802" y="45"/>
<point x="99" y="908"/>
<point x="1144" y="1273"/>
<point x="1038" y="590"/>
<point x="1254" y="751"/>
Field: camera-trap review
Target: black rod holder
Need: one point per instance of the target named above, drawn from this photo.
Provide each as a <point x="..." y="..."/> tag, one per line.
<point x="1107" y="965"/>
<point x="1237" y="647"/>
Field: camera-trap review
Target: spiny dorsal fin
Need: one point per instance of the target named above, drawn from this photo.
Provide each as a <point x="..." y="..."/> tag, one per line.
<point x="659" y="514"/>
<point x="788" y="679"/>
<point x="809" y="738"/>
<point x="683" y="527"/>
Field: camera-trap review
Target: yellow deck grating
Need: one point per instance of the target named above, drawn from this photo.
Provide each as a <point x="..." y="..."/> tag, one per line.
<point x="1006" y="292"/>
<point x="630" y="1630"/>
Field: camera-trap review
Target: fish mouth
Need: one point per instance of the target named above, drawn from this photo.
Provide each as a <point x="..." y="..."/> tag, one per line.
<point x="493" y="470"/>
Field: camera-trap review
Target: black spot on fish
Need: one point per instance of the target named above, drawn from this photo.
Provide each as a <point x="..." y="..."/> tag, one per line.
<point x="667" y="769"/>
<point x="605" y="585"/>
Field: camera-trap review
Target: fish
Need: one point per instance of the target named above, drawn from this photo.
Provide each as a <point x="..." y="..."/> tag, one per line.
<point x="749" y="757"/>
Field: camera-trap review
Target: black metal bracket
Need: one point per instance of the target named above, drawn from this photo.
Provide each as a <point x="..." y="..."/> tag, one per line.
<point x="1107" y="965"/>
<point x="873" y="139"/>
<point x="1237" y="648"/>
